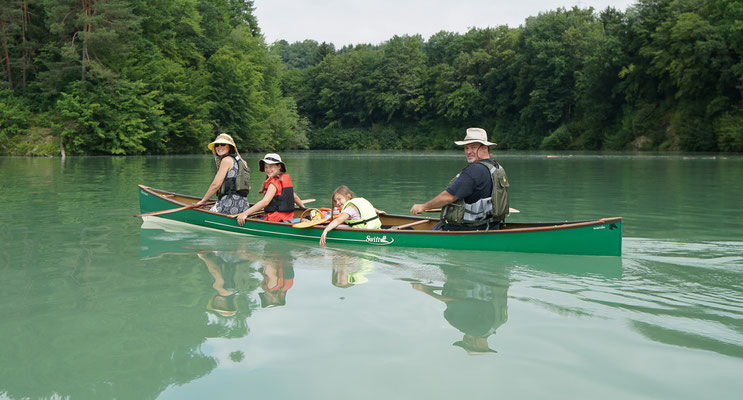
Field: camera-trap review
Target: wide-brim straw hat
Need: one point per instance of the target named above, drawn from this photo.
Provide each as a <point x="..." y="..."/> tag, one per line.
<point x="223" y="138"/>
<point x="473" y="350"/>
<point x="271" y="158"/>
<point x="223" y="305"/>
<point x="475" y="135"/>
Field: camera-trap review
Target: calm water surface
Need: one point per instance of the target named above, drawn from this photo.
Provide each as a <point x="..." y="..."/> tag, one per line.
<point x="96" y="305"/>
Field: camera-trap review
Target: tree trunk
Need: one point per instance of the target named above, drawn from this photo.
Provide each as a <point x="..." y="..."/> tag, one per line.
<point x="6" y="55"/>
<point x="26" y="51"/>
<point x="82" y="61"/>
<point x="88" y="11"/>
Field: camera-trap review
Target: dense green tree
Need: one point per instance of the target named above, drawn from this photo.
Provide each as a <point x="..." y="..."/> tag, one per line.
<point x="135" y="76"/>
<point x="131" y="77"/>
<point x="443" y="47"/>
<point x="10" y="24"/>
<point x="182" y="95"/>
<point x="554" y="46"/>
<point x="598" y="88"/>
<point x="337" y="89"/>
<point x="14" y="119"/>
<point x="118" y="118"/>
<point x="323" y="50"/>
<point x="17" y="46"/>
<point x="298" y="54"/>
<point x="93" y="34"/>
<point x="245" y="82"/>
<point x="392" y="80"/>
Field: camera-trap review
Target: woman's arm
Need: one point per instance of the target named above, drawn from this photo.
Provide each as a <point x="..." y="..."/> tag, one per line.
<point x="341" y="218"/>
<point x="298" y="201"/>
<point x="260" y="205"/>
<point x="224" y="166"/>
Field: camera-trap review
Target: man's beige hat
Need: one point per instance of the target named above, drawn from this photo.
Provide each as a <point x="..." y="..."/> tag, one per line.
<point x="475" y="135"/>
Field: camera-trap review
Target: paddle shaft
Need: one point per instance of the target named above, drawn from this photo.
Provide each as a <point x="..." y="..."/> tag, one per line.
<point x="161" y="212"/>
<point x="261" y="212"/>
<point x="510" y="210"/>
<point x="410" y="224"/>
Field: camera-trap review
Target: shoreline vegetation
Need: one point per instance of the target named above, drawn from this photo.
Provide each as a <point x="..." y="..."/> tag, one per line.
<point x="131" y="77"/>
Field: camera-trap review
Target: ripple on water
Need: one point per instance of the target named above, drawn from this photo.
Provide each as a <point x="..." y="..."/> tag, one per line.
<point x="686" y="294"/>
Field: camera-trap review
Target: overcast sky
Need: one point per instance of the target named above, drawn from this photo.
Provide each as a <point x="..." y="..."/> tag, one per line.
<point x="343" y="22"/>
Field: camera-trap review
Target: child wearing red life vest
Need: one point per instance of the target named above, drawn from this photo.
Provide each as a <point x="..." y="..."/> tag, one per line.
<point x="278" y="193"/>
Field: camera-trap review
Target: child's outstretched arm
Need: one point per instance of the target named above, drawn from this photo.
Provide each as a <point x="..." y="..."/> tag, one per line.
<point x="341" y="218"/>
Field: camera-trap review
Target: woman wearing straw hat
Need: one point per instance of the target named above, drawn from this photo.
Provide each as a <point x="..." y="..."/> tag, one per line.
<point x="279" y="197"/>
<point x="232" y="181"/>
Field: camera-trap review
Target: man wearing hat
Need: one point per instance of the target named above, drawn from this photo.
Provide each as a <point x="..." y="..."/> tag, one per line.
<point x="477" y="198"/>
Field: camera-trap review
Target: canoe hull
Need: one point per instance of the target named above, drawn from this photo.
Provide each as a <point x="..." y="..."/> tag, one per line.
<point x="601" y="237"/>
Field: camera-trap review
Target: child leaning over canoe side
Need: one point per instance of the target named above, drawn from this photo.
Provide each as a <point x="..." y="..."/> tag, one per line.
<point x="356" y="212"/>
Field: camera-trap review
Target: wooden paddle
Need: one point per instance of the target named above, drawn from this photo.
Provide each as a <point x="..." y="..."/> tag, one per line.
<point x="261" y="212"/>
<point x="161" y="212"/>
<point x="510" y="210"/>
<point x="410" y="224"/>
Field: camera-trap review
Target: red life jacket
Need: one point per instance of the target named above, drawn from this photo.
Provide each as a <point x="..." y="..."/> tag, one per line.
<point x="285" y="280"/>
<point x="276" y="295"/>
<point x="281" y="207"/>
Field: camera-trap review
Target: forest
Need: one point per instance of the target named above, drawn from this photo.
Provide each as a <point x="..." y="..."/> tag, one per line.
<point x="116" y="77"/>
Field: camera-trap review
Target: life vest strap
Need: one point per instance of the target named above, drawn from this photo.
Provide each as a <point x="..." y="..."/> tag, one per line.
<point x="362" y="222"/>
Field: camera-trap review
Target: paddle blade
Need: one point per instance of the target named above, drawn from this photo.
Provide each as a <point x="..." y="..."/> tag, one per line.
<point x="510" y="210"/>
<point x="311" y="222"/>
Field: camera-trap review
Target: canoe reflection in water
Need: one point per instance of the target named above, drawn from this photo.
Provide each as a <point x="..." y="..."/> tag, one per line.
<point x="476" y="307"/>
<point x="349" y="271"/>
<point x="278" y="278"/>
<point x="223" y="302"/>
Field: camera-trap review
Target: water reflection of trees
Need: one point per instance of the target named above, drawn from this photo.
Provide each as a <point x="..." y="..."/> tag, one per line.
<point x="108" y="343"/>
<point x="688" y="302"/>
<point x="70" y="337"/>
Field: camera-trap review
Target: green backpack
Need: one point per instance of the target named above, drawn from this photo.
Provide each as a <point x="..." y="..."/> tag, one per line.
<point x="500" y="192"/>
<point x="242" y="180"/>
<point x="454" y="213"/>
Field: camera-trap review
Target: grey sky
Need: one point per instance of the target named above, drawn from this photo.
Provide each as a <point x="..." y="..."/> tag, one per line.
<point x="344" y="22"/>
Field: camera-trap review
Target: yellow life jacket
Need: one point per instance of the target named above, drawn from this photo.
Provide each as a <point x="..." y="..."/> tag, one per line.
<point x="369" y="218"/>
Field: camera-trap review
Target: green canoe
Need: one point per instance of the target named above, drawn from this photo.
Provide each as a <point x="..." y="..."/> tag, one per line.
<point x="602" y="237"/>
